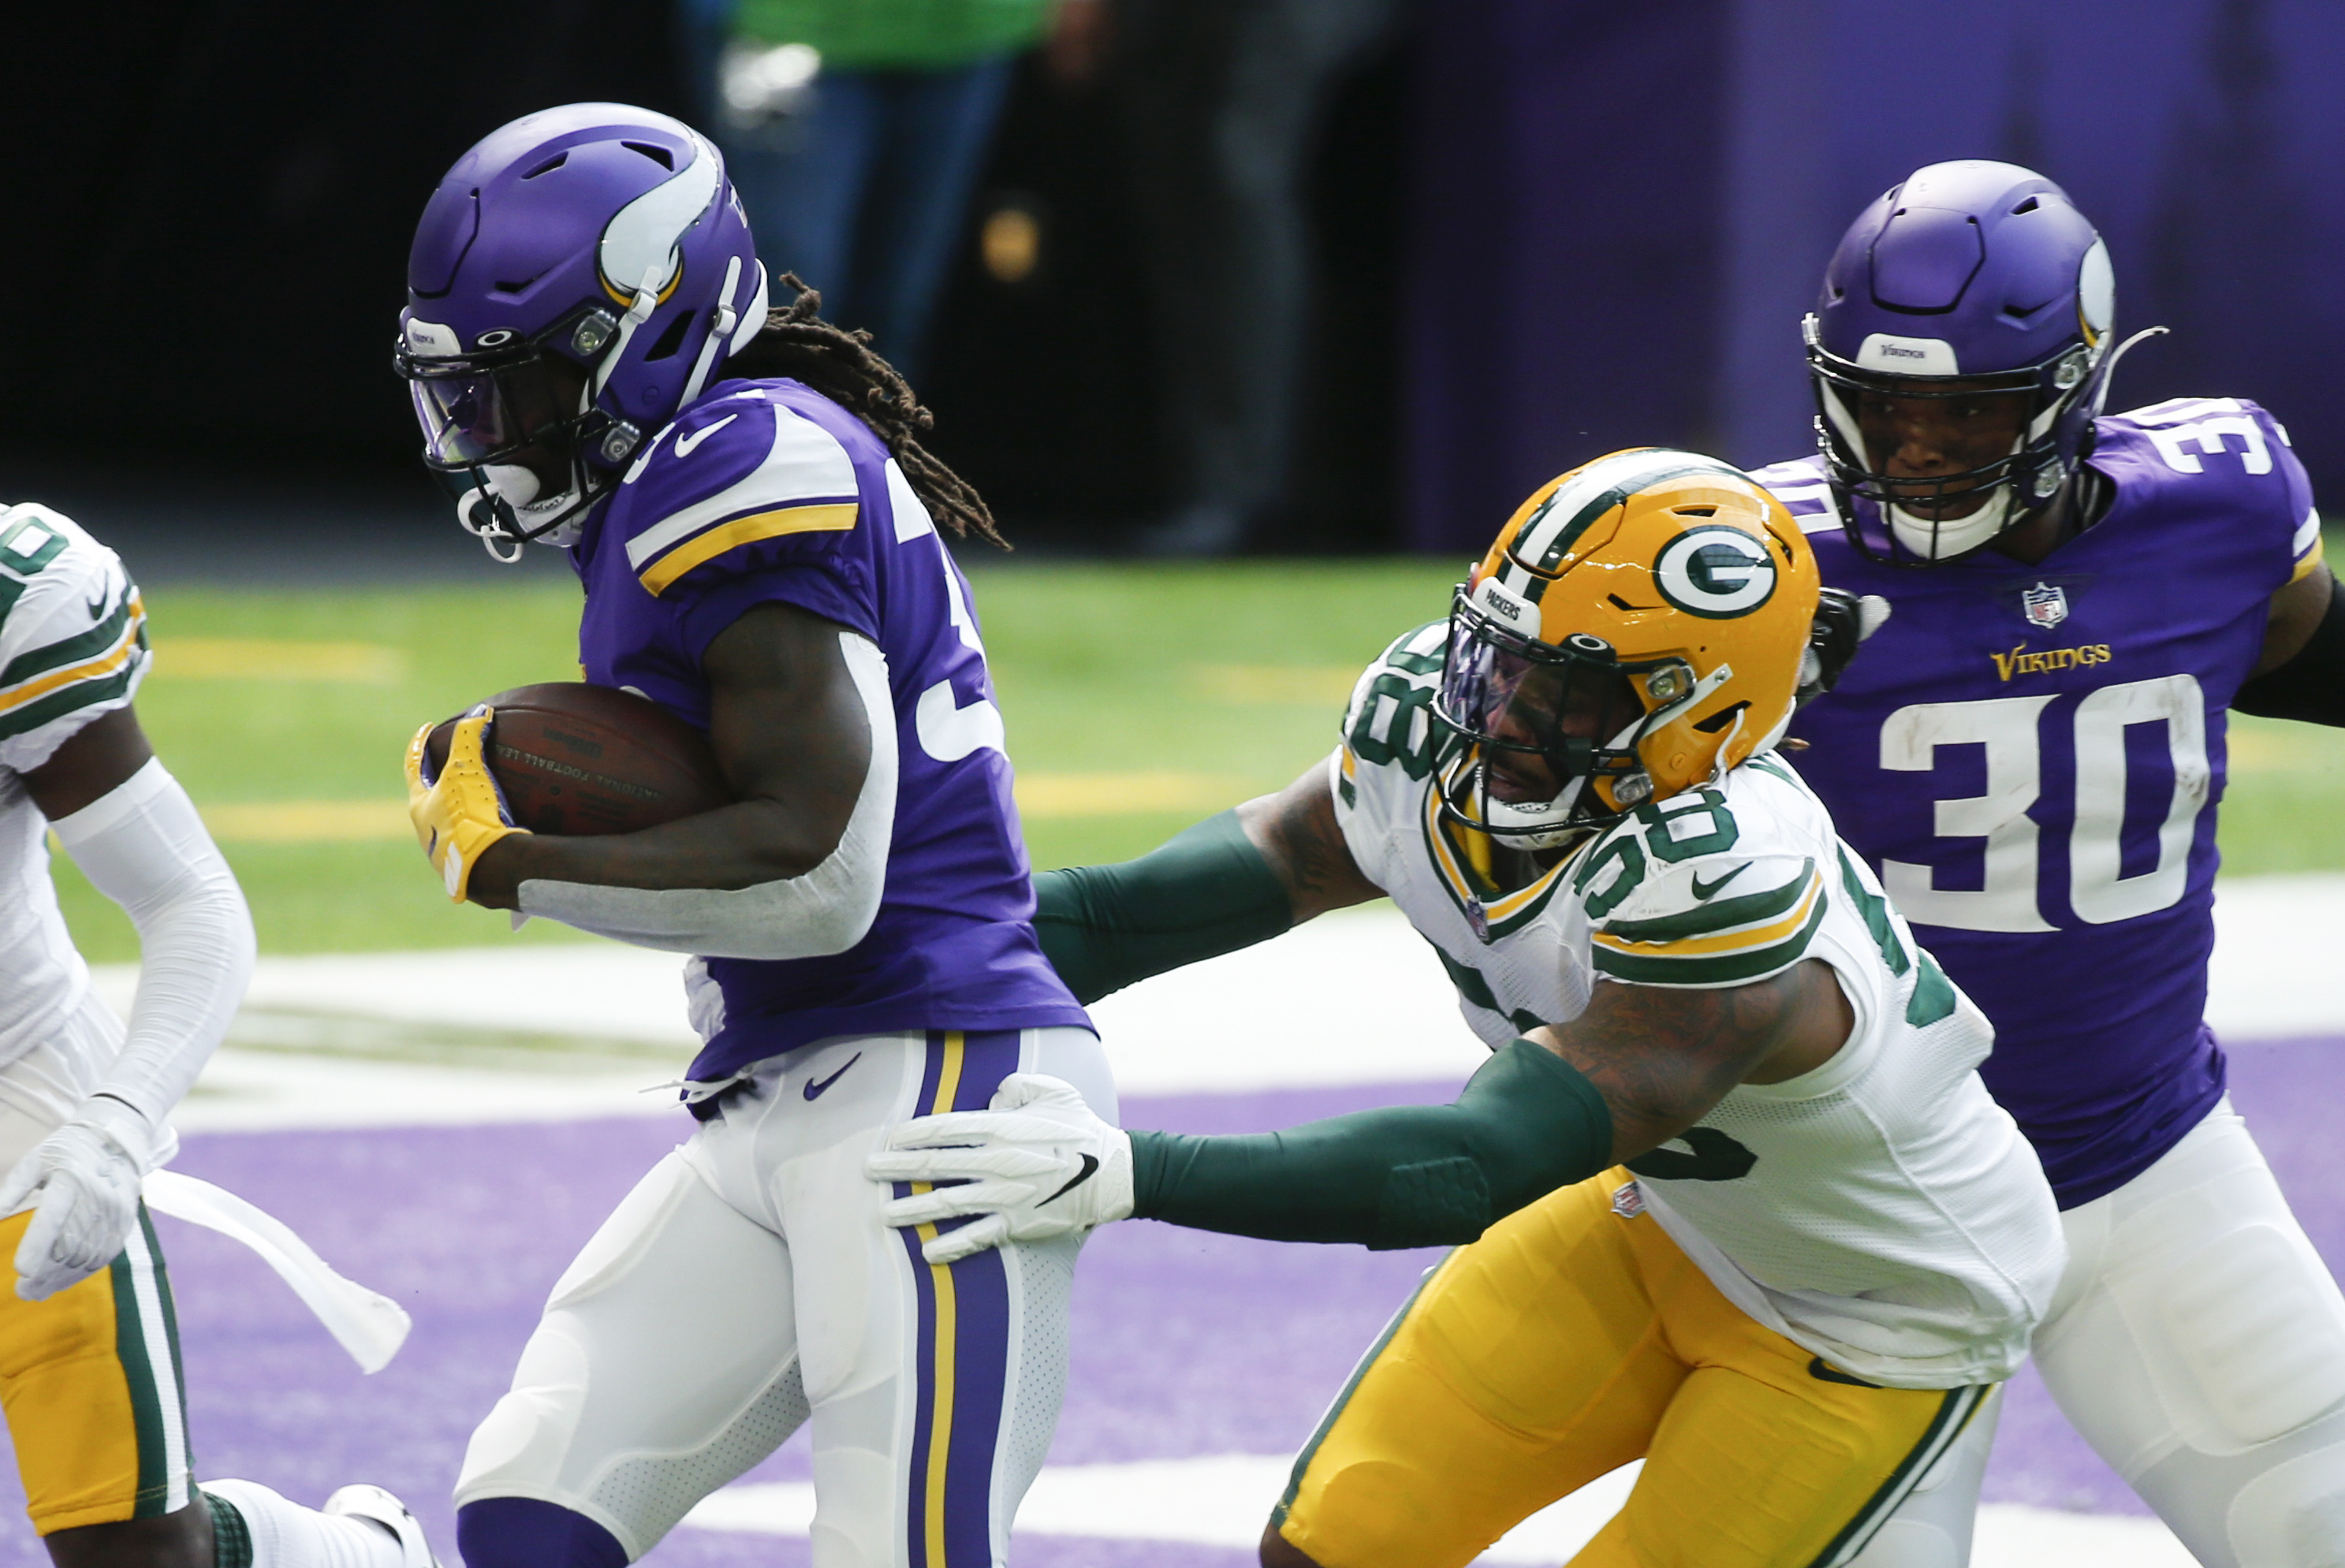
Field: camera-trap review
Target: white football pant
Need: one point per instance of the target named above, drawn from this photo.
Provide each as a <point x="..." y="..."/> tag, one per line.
<point x="2198" y="1343"/>
<point x="747" y="1285"/>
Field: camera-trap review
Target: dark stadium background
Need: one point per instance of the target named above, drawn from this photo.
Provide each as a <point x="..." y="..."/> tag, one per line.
<point x="1546" y="228"/>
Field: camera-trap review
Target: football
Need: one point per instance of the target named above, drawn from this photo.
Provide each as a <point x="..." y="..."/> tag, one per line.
<point x="577" y="759"/>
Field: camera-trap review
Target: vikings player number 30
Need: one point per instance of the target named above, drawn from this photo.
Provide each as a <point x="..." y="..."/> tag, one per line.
<point x="745" y="500"/>
<point x="2030" y="752"/>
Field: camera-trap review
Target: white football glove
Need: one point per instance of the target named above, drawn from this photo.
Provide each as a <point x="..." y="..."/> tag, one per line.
<point x="82" y="1184"/>
<point x="1038" y="1165"/>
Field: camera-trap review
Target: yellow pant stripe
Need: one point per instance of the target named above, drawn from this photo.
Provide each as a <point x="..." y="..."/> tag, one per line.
<point x="940" y="1278"/>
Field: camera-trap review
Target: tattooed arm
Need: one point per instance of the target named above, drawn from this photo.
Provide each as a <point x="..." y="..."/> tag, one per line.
<point x="1300" y="840"/>
<point x="1663" y="1055"/>
<point x="1230" y="881"/>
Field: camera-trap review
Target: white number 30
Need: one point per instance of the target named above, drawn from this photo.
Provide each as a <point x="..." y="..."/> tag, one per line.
<point x="2097" y="890"/>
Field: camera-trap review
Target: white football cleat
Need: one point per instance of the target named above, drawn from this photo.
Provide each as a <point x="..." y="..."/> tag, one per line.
<point x="360" y="1500"/>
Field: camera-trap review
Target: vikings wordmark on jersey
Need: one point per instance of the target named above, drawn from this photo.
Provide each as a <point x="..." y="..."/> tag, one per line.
<point x="766" y="492"/>
<point x="2067" y="721"/>
<point x="1881" y="1210"/>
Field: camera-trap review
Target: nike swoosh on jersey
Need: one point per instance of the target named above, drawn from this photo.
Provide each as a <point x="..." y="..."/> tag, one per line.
<point x="815" y="1086"/>
<point x="1701" y="892"/>
<point x="96" y="607"/>
<point x="1091" y="1165"/>
<point x="685" y="445"/>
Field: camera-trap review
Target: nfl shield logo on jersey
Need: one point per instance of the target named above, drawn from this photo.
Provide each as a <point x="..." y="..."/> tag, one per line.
<point x="2043" y="605"/>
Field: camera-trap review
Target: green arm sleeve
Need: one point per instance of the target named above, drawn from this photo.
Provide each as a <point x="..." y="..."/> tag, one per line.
<point x="1205" y="891"/>
<point x="1412" y="1176"/>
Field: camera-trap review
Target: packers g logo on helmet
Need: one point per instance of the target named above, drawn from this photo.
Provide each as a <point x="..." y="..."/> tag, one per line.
<point x="1637" y="629"/>
<point x="1718" y="572"/>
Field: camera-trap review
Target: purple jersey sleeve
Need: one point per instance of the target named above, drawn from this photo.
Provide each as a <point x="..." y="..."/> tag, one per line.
<point x="750" y="497"/>
<point x="768" y="493"/>
<point x="2030" y="756"/>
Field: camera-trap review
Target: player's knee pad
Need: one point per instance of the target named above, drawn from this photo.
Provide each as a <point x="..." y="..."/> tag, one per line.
<point x="524" y="1532"/>
<point x="2293" y="1516"/>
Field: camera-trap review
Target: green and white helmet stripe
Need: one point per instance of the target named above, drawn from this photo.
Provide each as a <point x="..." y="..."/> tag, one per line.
<point x="1549" y="534"/>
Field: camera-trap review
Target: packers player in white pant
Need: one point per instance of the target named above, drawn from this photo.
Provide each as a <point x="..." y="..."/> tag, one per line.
<point x="89" y="1361"/>
<point x="1729" y="1194"/>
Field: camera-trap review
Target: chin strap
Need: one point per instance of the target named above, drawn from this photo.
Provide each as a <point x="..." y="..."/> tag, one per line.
<point x="492" y="532"/>
<point x="647" y="302"/>
<point x="719" y="334"/>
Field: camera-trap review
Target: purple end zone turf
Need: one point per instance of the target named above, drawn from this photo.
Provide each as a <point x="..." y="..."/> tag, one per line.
<point x="1184" y="1343"/>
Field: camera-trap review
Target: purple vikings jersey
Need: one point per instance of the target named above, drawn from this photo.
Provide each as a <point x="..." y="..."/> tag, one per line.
<point x="767" y="491"/>
<point x="2030" y="757"/>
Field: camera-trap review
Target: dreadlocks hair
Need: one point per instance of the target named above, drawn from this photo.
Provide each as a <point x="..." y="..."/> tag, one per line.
<point x="797" y="342"/>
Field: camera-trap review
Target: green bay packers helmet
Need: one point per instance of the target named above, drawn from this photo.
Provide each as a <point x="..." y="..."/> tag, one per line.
<point x="1637" y="628"/>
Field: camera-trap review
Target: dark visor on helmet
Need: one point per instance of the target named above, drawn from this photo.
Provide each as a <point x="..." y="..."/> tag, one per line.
<point x="1543" y="714"/>
<point x="483" y="415"/>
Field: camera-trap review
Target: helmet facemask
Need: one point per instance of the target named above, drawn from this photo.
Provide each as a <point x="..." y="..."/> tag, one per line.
<point x="507" y="431"/>
<point x="2060" y="395"/>
<point x="1551" y="730"/>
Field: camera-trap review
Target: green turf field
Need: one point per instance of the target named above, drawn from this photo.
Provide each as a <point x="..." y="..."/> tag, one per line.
<point x="1139" y="698"/>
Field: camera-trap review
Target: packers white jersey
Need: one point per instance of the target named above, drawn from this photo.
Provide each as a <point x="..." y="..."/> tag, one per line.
<point x="73" y="646"/>
<point x="1881" y="1210"/>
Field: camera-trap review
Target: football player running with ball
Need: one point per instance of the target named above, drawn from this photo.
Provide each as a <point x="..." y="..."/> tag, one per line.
<point x="1828" y="1243"/>
<point x="744" y="497"/>
<point x="2029" y="755"/>
<point x="89" y="1354"/>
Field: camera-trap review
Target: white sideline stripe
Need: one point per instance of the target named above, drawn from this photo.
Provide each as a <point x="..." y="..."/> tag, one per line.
<point x="1350" y="998"/>
<point x="1222" y="1499"/>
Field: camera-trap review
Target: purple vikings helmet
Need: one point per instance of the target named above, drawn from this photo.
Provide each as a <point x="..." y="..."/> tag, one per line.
<point x="1968" y="279"/>
<point x="574" y="282"/>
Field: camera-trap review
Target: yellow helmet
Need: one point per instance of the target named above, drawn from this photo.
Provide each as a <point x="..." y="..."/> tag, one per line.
<point x="1637" y="628"/>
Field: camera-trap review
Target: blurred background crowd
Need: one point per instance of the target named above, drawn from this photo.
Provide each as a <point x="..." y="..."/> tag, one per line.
<point x="1176" y="276"/>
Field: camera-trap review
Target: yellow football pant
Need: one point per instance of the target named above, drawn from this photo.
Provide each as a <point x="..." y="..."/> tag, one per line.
<point x="89" y="1380"/>
<point x="1567" y="1341"/>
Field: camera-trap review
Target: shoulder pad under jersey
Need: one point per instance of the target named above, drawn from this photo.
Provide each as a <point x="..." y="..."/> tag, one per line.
<point x="1390" y="719"/>
<point x="73" y="633"/>
<point x="2232" y="447"/>
<point x="1799" y="484"/>
<point x="768" y="463"/>
<point x="1693" y="891"/>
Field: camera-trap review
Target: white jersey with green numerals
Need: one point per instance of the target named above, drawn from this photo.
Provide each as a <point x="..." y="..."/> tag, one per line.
<point x="73" y="645"/>
<point x="1880" y="1211"/>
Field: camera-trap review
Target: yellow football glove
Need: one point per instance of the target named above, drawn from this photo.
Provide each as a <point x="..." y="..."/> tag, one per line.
<point x="463" y="811"/>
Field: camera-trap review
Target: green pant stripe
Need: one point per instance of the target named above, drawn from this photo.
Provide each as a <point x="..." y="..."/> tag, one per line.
<point x="170" y="1330"/>
<point x="156" y="1401"/>
<point x="1953" y="1415"/>
<point x="1343" y="1397"/>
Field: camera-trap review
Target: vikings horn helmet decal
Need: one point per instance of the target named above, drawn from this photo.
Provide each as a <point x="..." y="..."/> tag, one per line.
<point x="1638" y="629"/>
<point x="1968" y="279"/>
<point x="574" y="282"/>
